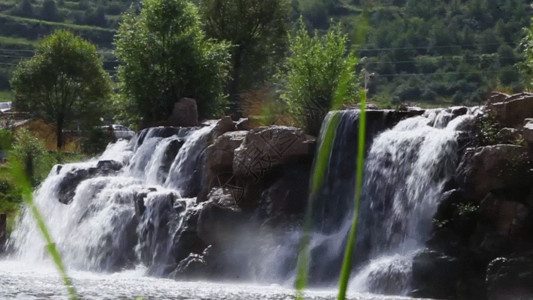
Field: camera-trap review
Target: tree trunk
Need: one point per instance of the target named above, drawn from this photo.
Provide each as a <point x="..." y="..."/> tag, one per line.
<point x="59" y="132"/>
<point x="233" y="89"/>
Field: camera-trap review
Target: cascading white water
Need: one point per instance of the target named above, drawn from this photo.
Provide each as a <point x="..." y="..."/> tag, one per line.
<point x="405" y="173"/>
<point x="114" y="217"/>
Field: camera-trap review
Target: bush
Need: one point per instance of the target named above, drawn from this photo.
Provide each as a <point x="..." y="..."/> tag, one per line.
<point x="314" y="71"/>
<point x="31" y="152"/>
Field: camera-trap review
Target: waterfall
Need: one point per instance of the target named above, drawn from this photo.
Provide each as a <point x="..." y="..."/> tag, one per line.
<point x="123" y="207"/>
<point x="405" y="171"/>
<point x="135" y="204"/>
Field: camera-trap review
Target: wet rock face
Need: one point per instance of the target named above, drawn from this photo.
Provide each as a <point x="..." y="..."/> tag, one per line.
<point x="489" y="168"/>
<point x="71" y="180"/>
<point x="67" y="187"/>
<point x="510" y="278"/>
<point x="267" y="147"/>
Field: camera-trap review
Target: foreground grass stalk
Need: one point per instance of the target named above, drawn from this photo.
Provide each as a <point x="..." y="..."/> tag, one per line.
<point x="317" y="179"/>
<point x="21" y="178"/>
<point x="348" y="254"/>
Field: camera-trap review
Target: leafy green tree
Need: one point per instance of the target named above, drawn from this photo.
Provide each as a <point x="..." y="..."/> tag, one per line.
<point x="257" y="30"/>
<point x="63" y="82"/>
<point x="315" y="70"/>
<point x="164" y="56"/>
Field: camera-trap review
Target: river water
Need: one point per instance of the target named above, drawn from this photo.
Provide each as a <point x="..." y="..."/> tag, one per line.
<point x="30" y="281"/>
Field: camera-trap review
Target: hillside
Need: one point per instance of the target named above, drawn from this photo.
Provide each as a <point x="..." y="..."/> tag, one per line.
<point x="434" y="52"/>
<point x="22" y="23"/>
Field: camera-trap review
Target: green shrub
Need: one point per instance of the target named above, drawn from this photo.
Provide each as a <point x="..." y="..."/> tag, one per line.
<point x="32" y="154"/>
<point x="312" y="75"/>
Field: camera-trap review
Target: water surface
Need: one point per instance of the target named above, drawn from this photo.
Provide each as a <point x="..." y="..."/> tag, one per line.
<point x="24" y="281"/>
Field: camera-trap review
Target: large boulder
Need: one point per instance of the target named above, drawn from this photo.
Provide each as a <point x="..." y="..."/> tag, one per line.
<point x="435" y="275"/>
<point x="220" y="218"/>
<point x="219" y="165"/>
<point x="267" y="147"/>
<point x="507" y="217"/>
<point x="185" y="113"/>
<point x="287" y="196"/>
<point x="489" y="168"/>
<point x="510" y="278"/>
<point x="512" y="111"/>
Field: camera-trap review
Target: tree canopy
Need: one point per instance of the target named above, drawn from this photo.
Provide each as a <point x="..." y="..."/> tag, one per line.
<point x="164" y="56"/>
<point x="257" y="31"/>
<point x="64" y="82"/>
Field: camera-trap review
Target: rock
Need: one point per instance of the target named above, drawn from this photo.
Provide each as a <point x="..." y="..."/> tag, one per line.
<point x="506" y="216"/>
<point x="489" y="168"/>
<point x="509" y="135"/>
<point x="435" y="275"/>
<point x="219" y="165"/>
<point x="267" y="147"/>
<point x="243" y="124"/>
<point x="192" y="267"/>
<point x="459" y="110"/>
<point x="220" y="219"/>
<point x="67" y="187"/>
<point x="106" y="166"/>
<point x="222" y="126"/>
<point x="496" y="97"/>
<point x="185" y="113"/>
<point x="221" y="152"/>
<point x="287" y="196"/>
<point x="510" y="278"/>
<point x="527" y="132"/>
<point x="168" y="158"/>
<point x="513" y="110"/>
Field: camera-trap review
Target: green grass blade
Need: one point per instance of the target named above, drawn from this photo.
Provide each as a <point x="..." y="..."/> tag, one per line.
<point x="348" y="254"/>
<point x="18" y="173"/>
<point x="317" y="179"/>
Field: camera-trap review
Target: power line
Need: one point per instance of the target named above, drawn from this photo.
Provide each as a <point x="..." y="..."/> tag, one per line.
<point x="429" y="47"/>
<point x="436" y="73"/>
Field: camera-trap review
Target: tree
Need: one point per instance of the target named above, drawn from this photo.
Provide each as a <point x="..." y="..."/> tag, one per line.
<point x="318" y="71"/>
<point x="257" y="30"/>
<point x="164" y="56"/>
<point x="63" y="82"/>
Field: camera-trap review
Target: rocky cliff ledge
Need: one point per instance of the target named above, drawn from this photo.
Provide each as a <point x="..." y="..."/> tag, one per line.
<point x="482" y="241"/>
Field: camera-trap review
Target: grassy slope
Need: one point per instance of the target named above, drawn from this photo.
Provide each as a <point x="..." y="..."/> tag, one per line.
<point x="19" y="35"/>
